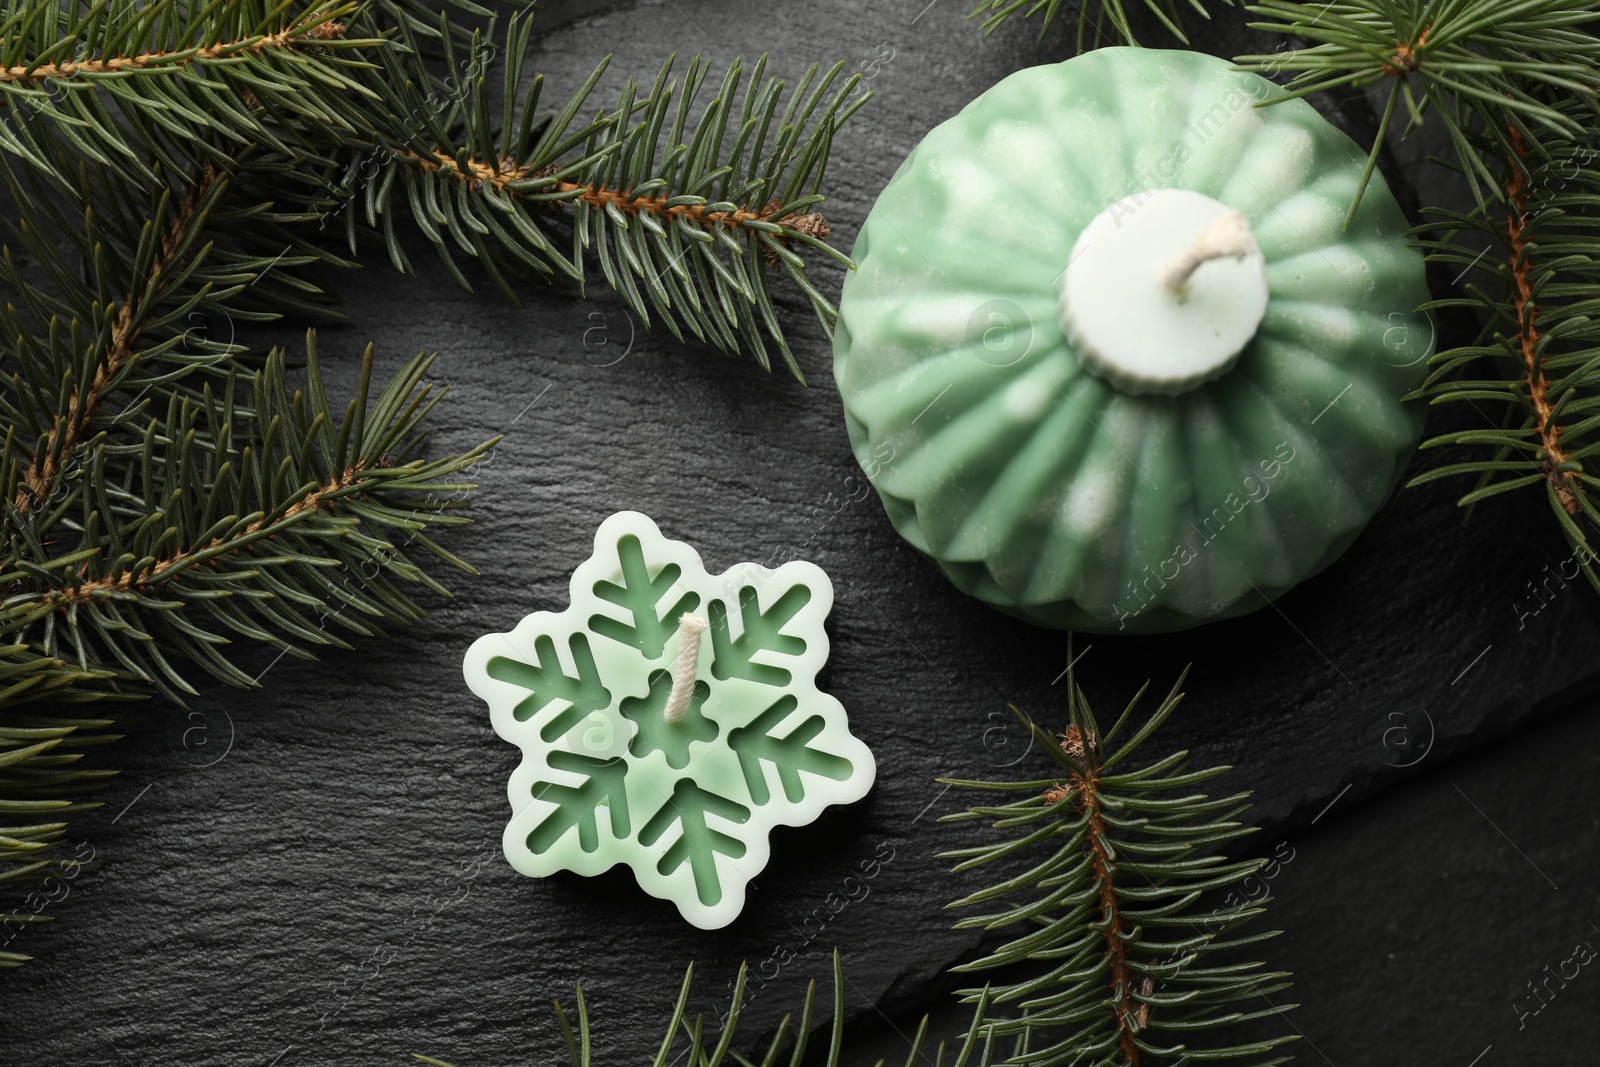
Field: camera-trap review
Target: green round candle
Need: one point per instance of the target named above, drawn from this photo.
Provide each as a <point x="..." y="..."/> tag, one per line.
<point x="1111" y="357"/>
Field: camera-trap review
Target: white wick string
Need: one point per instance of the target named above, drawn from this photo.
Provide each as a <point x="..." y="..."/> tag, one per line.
<point x="1227" y="238"/>
<point x="690" y="627"/>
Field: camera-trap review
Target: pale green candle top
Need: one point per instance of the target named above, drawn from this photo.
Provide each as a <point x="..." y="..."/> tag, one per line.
<point x="1162" y="291"/>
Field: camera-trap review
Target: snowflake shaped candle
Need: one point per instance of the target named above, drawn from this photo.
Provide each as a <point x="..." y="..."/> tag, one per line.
<point x="668" y="719"/>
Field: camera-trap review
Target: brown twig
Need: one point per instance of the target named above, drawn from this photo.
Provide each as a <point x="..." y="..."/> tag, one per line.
<point x="1518" y="223"/>
<point x="504" y="174"/>
<point x="1083" y="787"/>
<point x="31" y="74"/>
<point x="1407" y="55"/>
<point x="1087" y="798"/>
<point x="82" y="404"/>
<point x="128" y="581"/>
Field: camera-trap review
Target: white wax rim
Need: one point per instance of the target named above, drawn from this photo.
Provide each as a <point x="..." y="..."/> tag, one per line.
<point x="1127" y="326"/>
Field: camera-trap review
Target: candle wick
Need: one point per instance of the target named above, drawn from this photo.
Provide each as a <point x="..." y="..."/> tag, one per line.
<point x="1227" y="238"/>
<point x="690" y="627"/>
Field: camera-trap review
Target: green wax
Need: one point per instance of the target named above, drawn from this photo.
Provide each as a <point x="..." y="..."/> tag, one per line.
<point x="686" y="800"/>
<point x="1056" y="487"/>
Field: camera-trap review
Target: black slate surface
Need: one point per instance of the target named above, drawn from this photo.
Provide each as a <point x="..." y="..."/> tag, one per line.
<point x="310" y="872"/>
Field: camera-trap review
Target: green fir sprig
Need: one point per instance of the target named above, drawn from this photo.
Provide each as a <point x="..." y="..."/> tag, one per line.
<point x="1531" y="378"/>
<point x="691" y="200"/>
<point x="1481" y="68"/>
<point x="788" y="1046"/>
<point x="689" y="205"/>
<point x="1122" y="944"/>
<point x="1099" y="21"/>
<point x="150" y="468"/>
<point x="166" y="490"/>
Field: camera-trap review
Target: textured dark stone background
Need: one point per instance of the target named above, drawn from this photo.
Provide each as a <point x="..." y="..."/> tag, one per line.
<point x="319" y="881"/>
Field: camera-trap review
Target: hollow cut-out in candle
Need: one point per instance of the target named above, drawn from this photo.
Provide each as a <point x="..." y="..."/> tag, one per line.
<point x="668" y="719"/>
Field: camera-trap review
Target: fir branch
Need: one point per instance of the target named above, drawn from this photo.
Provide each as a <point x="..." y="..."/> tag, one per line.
<point x="1530" y="339"/>
<point x="264" y="527"/>
<point x="1083" y="789"/>
<point x="314" y="30"/>
<point x="1095" y="16"/>
<point x="164" y="493"/>
<point x="1113" y="959"/>
<point x="1479" y="67"/>
<point x="662" y="208"/>
<point x="59" y="444"/>
<point x="81" y="586"/>
<point x="1536" y="363"/>
<point x="784" y="228"/>
<point x="113" y="612"/>
<point x="41" y="782"/>
<point x="788" y="1045"/>
<point x="686" y="217"/>
<point x="115" y="80"/>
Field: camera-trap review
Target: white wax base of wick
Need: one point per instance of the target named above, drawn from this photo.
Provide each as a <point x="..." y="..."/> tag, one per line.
<point x="690" y="627"/>
<point x="1163" y="291"/>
